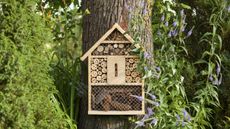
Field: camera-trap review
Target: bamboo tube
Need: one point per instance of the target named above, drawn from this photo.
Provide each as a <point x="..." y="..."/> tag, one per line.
<point x="99" y="73"/>
<point x="93" y="80"/>
<point x="98" y="78"/>
<point x="121" y="45"/>
<point x="103" y="64"/>
<point x="115" y="45"/>
<point x="100" y="48"/>
<point x="103" y="76"/>
<point x="96" y="53"/>
<point x="131" y="60"/>
<point x="106" y="51"/>
<point x="138" y="79"/>
<point x="104" y="70"/>
<point x="135" y="65"/>
<point x="96" y="61"/>
<point x="93" y="66"/>
<point x="94" y="74"/>
<point x="134" y="74"/>
<point x="127" y="72"/>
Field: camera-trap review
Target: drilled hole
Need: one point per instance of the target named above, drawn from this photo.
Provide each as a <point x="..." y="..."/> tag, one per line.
<point x="116" y="71"/>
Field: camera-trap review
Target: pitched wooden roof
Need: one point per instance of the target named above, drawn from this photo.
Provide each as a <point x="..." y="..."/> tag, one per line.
<point x="115" y="26"/>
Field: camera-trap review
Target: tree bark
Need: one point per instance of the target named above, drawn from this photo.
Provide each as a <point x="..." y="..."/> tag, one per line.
<point x="103" y="14"/>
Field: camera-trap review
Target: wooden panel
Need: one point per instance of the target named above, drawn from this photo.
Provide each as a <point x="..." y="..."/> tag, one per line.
<point x="89" y="84"/>
<point x="116" y="112"/>
<point x="125" y="84"/>
<point x="112" y="41"/>
<point x="116" y="75"/>
<point x="105" y="56"/>
<point x="143" y="95"/>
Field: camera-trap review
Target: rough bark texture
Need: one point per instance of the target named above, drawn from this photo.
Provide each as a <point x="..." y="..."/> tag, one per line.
<point x="103" y="14"/>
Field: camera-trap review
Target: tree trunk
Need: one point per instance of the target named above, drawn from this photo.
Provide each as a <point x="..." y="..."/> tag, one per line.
<point x="103" y="14"/>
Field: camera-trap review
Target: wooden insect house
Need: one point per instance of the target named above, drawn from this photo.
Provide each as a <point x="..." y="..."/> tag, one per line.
<point x="113" y="80"/>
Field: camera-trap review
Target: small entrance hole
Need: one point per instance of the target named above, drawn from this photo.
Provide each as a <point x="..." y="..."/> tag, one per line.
<point x="116" y="72"/>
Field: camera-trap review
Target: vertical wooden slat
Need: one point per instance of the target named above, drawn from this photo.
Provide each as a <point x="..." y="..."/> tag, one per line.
<point x="89" y="83"/>
<point x="120" y="78"/>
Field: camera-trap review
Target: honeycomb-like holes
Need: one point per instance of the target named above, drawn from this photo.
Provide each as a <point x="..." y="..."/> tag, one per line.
<point x="98" y="67"/>
<point x="131" y="73"/>
<point x="116" y="98"/>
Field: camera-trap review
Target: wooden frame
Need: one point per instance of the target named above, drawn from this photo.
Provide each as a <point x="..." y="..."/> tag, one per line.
<point x="117" y="59"/>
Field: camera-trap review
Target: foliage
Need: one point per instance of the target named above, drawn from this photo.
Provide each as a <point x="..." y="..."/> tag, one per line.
<point x="176" y="73"/>
<point x="27" y="90"/>
<point x="64" y="18"/>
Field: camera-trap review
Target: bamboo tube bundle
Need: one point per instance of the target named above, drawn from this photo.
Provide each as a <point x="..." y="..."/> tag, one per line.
<point x="132" y="75"/>
<point x="99" y="70"/>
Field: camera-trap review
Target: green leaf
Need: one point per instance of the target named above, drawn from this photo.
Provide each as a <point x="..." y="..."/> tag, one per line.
<point x="201" y="62"/>
<point x="185" y="6"/>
